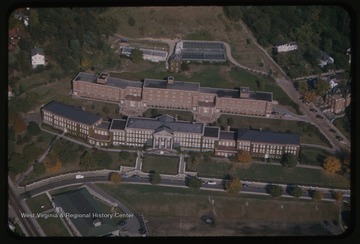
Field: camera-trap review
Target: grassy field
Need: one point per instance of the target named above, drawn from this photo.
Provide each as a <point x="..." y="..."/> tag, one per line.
<point x="186" y="207"/>
<point x="36" y="202"/>
<point x="197" y="23"/>
<point x="160" y="164"/>
<point x="269" y="172"/>
<point x="311" y="156"/>
<point x="53" y="227"/>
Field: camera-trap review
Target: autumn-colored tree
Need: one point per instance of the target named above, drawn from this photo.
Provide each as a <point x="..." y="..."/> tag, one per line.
<point x="244" y="156"/>
<point x="53" y="167"/>
<point x="317" y="195"/>
<point x="19" y="125"/>
<point x="310" y="96"/>
<point x="338" y="196"/>
<point x="196" y="161"/>
<point x="115" y="177"/>
<point x="332" y="164"/>
<point x="234" y="185"/>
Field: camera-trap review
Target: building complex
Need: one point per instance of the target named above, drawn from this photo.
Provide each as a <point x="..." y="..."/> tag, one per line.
<point x="171" y="94"/>
<point x="166" y="133"/>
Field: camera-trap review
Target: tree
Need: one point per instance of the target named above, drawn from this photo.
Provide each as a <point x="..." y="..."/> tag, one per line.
<point x="31" y="152"/>
<point x="39" y="168"/>
<point x="194" y="182"/>
<point x="296" y="191"/>
<point x="33" y="129"/>
<point x="274" y="190"/>
<point x="332" y="164"/>
<point x="195" y="161"/>
<point x="322" y="87"/>
<point x="136" y="56"/>
<point x="288" y="160"/>
<point x="316" y="195"/>
<point x="338" y="196"/>
<point x="17" y="164"/>
<point x="310" y="96"/>
<point x="234" y="185"/>
<point x="301" y="86"/>
<point x="102" y="159"/>
<point x="19" y="125"/>
<point x="155" y="178"/>
<point x="52" y="163"/>
<point x="234" y="13"/>
<point x="114" y="177"/>
<point x="65" y="151"/>
<point x="244" y="156"/>
<point x="87" y="161"/>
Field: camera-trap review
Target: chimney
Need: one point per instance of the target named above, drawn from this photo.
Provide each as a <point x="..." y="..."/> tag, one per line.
<point x="170" y="80"/>
<point x="244" y="92"/>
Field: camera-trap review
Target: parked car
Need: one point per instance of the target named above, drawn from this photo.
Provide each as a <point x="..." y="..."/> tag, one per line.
<point x="339" y="138"/>
<point x="319" y="117"/>
<point x="313" y="110"/>
<point x="275" y="113"/>
<point x="332" y="130"/>
<point x="210" y="182"/>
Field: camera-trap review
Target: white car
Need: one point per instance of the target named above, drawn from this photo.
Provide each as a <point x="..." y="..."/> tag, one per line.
<point x="210" y="182"/>
<point x="79" y="177"/>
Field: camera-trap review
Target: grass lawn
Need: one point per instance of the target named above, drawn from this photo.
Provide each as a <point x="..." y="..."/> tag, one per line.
<point x="266" y="172"/>
<point x="312" y="156"/>
<point x="160" y="164"/>
<point x="298" y="175"/>
<point x="211" y="168"/>
<point x="35" y="203"/>
<point x="53" y="227"/>
<point x="180" y="202"/>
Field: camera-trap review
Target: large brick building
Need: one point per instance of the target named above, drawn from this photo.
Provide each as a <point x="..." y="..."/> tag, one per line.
<point x="172" y="94"/>
<point x="166" y="133"/>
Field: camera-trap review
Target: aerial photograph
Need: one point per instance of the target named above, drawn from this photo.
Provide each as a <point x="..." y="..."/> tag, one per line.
<point x="179" y="121"/>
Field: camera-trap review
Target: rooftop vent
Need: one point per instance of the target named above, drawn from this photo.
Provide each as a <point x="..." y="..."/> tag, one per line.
<point x="170" y="80"/>
<point x="102" y="78"/>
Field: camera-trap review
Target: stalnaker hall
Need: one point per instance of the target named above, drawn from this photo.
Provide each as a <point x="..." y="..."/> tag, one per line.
<point x="171" y="94"/>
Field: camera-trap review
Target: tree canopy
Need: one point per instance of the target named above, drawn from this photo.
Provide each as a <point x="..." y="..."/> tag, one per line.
<point x="155" y="178"/>
<point x="194" y="182"/>
<point x="274" y="190"/>
<point x="234" y="185"/>
<point x="288" y="160"/>
<point x="244" y="156"/>
<point x="332" y="164"/>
